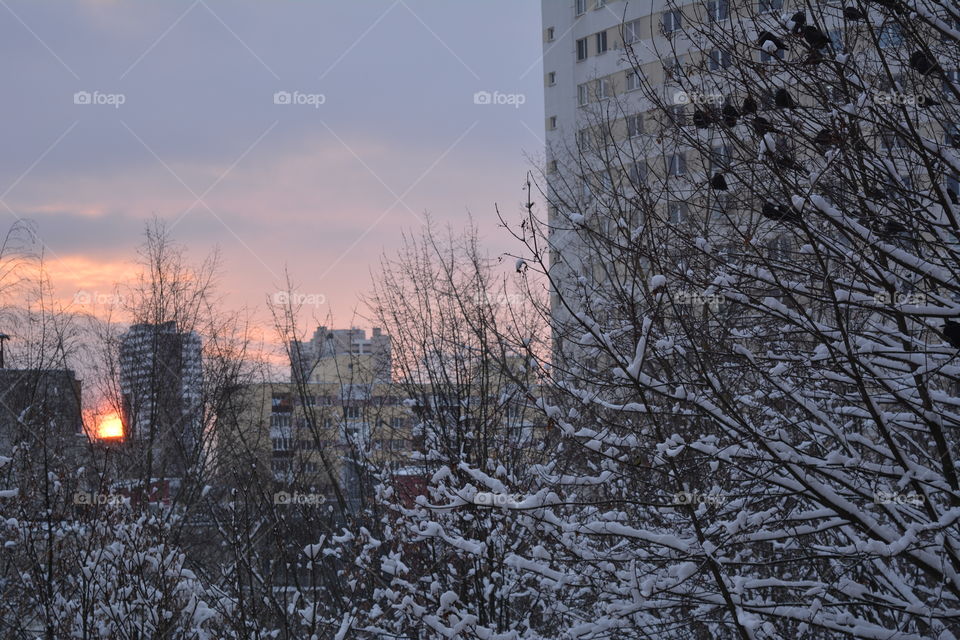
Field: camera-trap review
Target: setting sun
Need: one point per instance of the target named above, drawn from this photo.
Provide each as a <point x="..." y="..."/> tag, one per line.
<point x="109" y="427"/>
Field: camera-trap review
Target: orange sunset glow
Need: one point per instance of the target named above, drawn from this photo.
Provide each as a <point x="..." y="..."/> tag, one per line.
<point x="108" y="426"/>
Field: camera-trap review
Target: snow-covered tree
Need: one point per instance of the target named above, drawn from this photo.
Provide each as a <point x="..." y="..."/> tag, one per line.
<point x="757" y="347"/>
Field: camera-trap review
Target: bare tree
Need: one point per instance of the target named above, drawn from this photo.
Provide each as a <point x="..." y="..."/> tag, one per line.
<point x="755" y="306"/>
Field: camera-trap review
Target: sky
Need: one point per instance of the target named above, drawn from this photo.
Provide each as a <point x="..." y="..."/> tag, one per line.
<point x="304" y="135"/>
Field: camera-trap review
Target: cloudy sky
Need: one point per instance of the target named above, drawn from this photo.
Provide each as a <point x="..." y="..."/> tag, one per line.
<point x="299" y="134"/>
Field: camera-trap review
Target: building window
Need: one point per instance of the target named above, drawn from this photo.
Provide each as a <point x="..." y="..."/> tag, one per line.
<point x="586" y="191"/>
<point x="678" y="114"/>
<point x="631" y="32"/>
<point x="718" y="10"/>
<point x="551" y="123"/>
<point x="953" y="186"/>
<point x="282" y="444"/>
<point x="396" y="423"/>
<point x="720" y="156"/>
<point x="581" y="49"/>
<point x="951" y="135"/>
<point x="890" y="141"/>
<point x="604" y="88"/>
<point x="770" y="6"/>
<point x="719" y="205"/>
<point x="551" y="78"/>
<point x="550" y="34"/>
<point x="677" y="164"/>
<point x="601" y="42"/>
<point x="583" y="138"/>
<point x="280" y="420"/>
<point x="671" y="21"/>
<point x="581" y="7"/>
<point x="890" y="35"/>
<point x="673" y="68"/>
<point x="836" y="39"/>
<point x="583" y="94"/>
<point x="951" y="77"/>
<point x="633" y="80"/>
<point x="677" y="212"/>
<point x="719" y="59"/>
<point x="351" y="413"/>
<point x="634" y="125"/>
<point x="552" y="166"/>
<point x="778" y="248"/>
<point x="604" y="182"/>
<point x="770" y="57"/>
<point x="637" y="173"/>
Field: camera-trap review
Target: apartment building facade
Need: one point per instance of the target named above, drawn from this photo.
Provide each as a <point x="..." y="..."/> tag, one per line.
<point x="161" y="381"/>
<point x="337" y="355"/>
<point x="632" y="90"/>
<point x="40" y="407"/>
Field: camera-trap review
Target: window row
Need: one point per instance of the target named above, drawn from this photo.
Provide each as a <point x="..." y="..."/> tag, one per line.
<point x="600" y="42"/>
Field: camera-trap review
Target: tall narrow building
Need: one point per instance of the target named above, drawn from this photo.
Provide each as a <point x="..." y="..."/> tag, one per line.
<point x="161" y="382"/>
<point x="600" y="59"/>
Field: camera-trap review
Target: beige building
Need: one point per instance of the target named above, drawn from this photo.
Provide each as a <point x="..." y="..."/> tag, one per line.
<point x="318" y="434"/>
<point x="345" y="415"/>
<point x="341" y="355"/>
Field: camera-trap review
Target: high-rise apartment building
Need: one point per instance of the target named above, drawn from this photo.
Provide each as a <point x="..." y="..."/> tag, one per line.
<point x="341" y="356"/>
<point x="595" y="96"/>
<point x="161" y="382"/>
